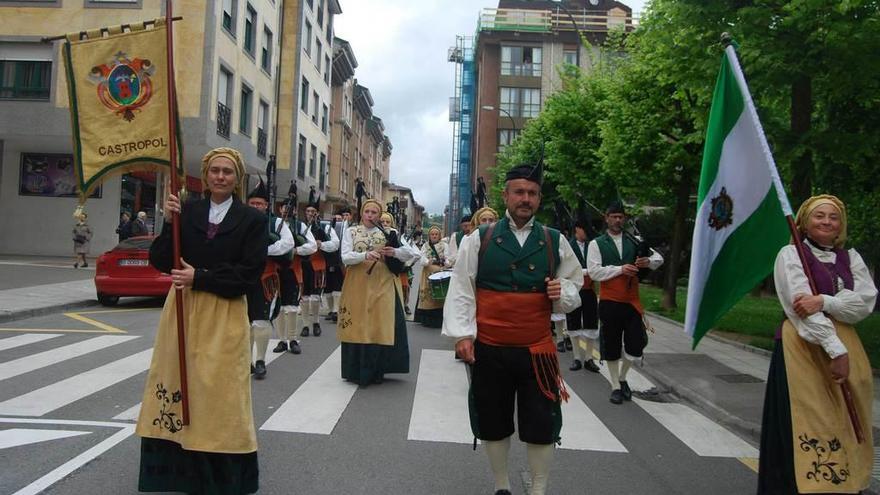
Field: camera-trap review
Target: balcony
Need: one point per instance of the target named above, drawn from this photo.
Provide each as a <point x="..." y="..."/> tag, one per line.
<point x="224" y="118"/>
<point x="262" y="137"/>
<point x="555" y="20"/>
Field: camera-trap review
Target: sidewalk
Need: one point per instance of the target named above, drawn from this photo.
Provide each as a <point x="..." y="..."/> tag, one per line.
<point x="32" y="296"/>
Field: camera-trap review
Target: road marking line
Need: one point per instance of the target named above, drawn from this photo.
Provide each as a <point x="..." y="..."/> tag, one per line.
<point x="16" y="437"/>
<point x="77" y="462"/>
<point x="60" y="394"/>
<point x="702" y="435"/>
<point x="583" y="430"/>
<point x="52" y="330"/>
<point x="68" y="422"/>
<point x="33" y="362"/>
<point x="440" y="406"/>
<point x="28" y="338"/>
<point x="104" y="311"/>
<point x="750" y="462"/>
<point x="94" y="323"/>
<point x="316" y="406"/>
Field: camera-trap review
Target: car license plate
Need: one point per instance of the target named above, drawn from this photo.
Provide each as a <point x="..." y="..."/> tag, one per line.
<point x="134" y="262"/>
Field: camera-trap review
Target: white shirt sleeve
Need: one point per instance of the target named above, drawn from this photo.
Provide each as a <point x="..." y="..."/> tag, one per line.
<point x="790" y="280"/>
<point x="571" y="278"/>
<point x="452" y="253"/>
<point x="283" y="245"/>
<point x="655" y="261"/>
<point x="853" y="306"/>
<point x="311" y="246"/>
<point x="460" y="309"/>
<point x="595" y="269"/>
<point x="349" y="255"/>
<point x="333" y="244"/>
<point x="403" y="253"/>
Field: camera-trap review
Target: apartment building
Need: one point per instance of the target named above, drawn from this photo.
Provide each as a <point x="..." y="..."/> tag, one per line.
<point x="412" y="210"/>
<point x="226" y="57"/>
<point x="341" y="183"/>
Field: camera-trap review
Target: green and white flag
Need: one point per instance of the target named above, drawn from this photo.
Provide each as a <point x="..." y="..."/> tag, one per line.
<point x="741" y="205"/>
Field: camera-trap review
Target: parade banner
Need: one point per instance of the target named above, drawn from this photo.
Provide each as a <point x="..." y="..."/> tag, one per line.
<point x="741" y="205"/>
<point x="119" y="101"/>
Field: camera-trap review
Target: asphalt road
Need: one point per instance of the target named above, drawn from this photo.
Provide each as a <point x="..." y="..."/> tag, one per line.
<point x="58" y="384"/>
<point x="18" y="274"/>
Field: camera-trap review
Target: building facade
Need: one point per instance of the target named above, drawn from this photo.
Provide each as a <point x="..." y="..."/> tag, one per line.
<point x="340" y="190"/>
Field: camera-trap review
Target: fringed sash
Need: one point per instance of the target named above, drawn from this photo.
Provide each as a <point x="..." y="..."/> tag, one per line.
<point x="521" y="319"/>
<point x="622" y="289"/>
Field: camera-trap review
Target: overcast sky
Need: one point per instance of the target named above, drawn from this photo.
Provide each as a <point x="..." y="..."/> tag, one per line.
<point x="401" y="48"/>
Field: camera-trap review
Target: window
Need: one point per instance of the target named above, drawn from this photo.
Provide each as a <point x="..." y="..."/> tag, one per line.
<point x="304" y="89"/>
<point x="250" y="30"/>
<point x="569" y="57"/>
<point x="266" y="51"/>
<point x="327" y="69"/>
<point x="223" y="86"/>
<point x="316" y="102"/>
<point x="521" y="102"/>
<point x="313" y="156"/>
<point x="321" y="13"/>
<point x="506" y="138"/>
<point x="262" y="124"/>
<point x="520" y="61"/>
<point x="323" y="172"/>
<point x="244" y="115"/>
<point x="301" y="158"/>
<point x="229" y="15"/>
<point x="307" y="39"/>
<point x="224" y="100"/>
<point x="319" y="52"/>
<point x="25" y="79"/>
<point x="329" y="29"/>
<point x="324" y="117"/>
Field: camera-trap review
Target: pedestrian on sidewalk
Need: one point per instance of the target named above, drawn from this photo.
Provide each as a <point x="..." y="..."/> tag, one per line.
<point x="223" y="248"/>
<point x="139" y="225"/>
<point x="583" y="322"/>
<point x="82" y="236"/>
<point x="807" y="440"/>
<point x="509" y="277"/>
<point x="124" y="228"/>
<point x="612" y="261"/>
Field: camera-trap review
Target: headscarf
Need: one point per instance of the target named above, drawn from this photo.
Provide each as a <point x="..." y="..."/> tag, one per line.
<point x="433" y="228"/>
<point x="482" y="212"/>
<point x="238" y="164"/>
<point x="806" y="209"/>
<point x="368" y="202"/>
<point x="387" y="216"/>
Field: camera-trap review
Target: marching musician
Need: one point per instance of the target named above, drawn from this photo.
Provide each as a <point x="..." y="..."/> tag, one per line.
<point x="372" y="325"/>
<point x="304" y="245"/>
<point x="335" y="267"/>
<point x="263" y="299"/>
<point x="583" y="322"/>
<point x="465" y="227"/>
<point x="311" y="270"/>
<point x="509" y="277"/>
<point x="612" y="261"/>
<point x="429" y="311"/>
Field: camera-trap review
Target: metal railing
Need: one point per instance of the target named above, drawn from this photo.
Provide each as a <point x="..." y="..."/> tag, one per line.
<point x="224" y="119"/>
<point x="546" y="21"/>
<point x="262" y="137"/>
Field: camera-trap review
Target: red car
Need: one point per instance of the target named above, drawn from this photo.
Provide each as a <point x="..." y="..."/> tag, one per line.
<point x="125" y="271"/>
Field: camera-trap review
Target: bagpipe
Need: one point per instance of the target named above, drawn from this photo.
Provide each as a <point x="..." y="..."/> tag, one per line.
<point x="395" y="266"/>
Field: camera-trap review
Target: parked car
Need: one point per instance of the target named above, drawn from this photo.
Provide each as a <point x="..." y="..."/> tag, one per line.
<point x="125" y="271"/>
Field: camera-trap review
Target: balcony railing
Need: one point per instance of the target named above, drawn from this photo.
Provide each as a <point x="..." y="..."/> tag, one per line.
<point x="224" y="118"/>
<point x="546" y="21"/>
<point x="261" y="142"/>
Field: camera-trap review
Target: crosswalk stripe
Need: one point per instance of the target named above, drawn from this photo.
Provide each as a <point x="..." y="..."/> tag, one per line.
<point x="702" y="435"/>
<point x="583" y="430"/>
<point x="25" y="339"/>
<point x="59" y="394"/>
<point x="317" y="405"/>
<point x="131" y="414"/>
<point x="15" y="437"/>
<point x="440" y="405"/>
<point x="27" y="364"/>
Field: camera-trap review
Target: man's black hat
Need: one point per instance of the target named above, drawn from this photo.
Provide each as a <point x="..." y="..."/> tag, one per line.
<point x="534" y="173"/>
<point x="314" y="199"/>
<point x="615" y="206"/>
<point x="260" y="191"/>
<point x="465" y="219"/>
<point x="344" y="209"/>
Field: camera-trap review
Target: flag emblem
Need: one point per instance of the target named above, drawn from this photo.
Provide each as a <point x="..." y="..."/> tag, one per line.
<point x="721" y="214"/>
<point x="124" y="84"/>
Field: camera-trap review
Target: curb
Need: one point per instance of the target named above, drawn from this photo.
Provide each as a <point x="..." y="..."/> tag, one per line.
<point x="21" y="314"/>
<point x="718" y="338"/>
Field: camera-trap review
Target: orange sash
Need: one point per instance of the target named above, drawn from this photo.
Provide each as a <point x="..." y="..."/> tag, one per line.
<point x="622" y="289"/>
<point x="270" y="280"/>
<point x="522" y="319"/>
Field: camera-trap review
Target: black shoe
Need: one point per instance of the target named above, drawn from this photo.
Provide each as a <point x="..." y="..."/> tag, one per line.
<point x="560" y="346"/>
<point x="616" y="396"/>
<point x="294" y="347"/>
<point x="281" y="347"/>
<point x="406" y="310"/>
<point x="252" y="369"/>
<point x="316" y="330"/>
<point x="85" y="265"/>
<point x="335" y="318"/>
<point x="627" y="393"/>
<point x="305" y="332"/>
<point x="568" y="343"/>
<point x="575" y="365"/>
<point x="591" y="366"/>
<point x="503" y="492"/>
<point x="329" y="317"/>
<point x="260" y="370"/>
<point x="76" y="265"/>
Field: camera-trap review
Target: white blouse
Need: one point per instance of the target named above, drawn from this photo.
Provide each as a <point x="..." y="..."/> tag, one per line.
<point x="351" y="256"/>
<point x="847" y="306"/>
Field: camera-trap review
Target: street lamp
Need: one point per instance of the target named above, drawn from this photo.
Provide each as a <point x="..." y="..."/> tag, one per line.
<point x="576" y="28"/>
<point x="513" y="128"/>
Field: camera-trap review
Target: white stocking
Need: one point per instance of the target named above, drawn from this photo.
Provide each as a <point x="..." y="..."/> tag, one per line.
<point x="625" y="365"/>
<point x="614" y="371"/>
<point x="288" y="328"/>
<point x="497" y="452"/>
<point x="539" y="457"/>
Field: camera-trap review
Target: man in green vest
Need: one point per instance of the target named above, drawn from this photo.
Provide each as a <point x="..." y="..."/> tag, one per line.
<point x="612" y="261"/>
<point x="508" y="278"/>
<point x="465" y="227"/>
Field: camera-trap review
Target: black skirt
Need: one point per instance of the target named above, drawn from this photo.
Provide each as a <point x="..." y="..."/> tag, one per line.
<point x="367" y="363"/>
<point x="167" y="467"/>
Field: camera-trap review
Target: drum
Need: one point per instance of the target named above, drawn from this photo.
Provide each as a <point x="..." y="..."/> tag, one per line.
<point x="439" y="284"/>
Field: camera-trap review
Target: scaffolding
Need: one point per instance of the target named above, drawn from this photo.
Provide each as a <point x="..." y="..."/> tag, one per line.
<point x="461" y="113"/>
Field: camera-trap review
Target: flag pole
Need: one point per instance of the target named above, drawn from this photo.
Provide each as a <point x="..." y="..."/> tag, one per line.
<point x="175" y="217"/>
<point x="844" y="387"/>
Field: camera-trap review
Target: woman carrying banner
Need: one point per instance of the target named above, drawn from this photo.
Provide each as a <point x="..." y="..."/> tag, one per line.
<point x="807" y="439"/>
<point x="223" y="246"/>
<point x="372" y="324"/>
<point x="429" y="311"/>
